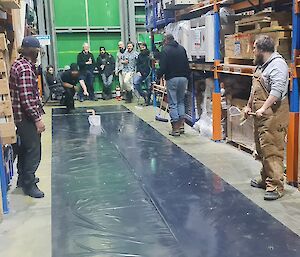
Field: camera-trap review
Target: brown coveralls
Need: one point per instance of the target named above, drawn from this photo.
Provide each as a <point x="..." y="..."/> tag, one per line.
<point x="269" y="133"/>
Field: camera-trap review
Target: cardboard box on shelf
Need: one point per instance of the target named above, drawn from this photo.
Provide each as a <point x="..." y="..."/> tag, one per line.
<point x="7" y="131"/>
<point x="3" y="42"/>
<point x="241" y="45"/>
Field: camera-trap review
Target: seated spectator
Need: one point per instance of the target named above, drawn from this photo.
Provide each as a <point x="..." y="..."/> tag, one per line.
<point x="143" y="73"/>
<point x="106" y="67"/>
<point x="70" y="79"/>
<point x="54" y="84"/>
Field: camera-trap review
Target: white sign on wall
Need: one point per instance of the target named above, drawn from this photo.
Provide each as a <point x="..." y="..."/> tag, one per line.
<point x="44" y="40"/>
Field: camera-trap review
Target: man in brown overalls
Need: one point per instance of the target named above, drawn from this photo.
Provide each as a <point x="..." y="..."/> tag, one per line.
<point x="269" y="102"/>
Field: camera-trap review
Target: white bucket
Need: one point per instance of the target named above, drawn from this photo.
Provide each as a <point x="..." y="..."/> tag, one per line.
<point x="94" y="120"/>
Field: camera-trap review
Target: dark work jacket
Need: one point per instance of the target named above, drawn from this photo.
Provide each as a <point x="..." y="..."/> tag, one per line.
<point x="173" y="62"/>
<point x="51" y="80"/>
<point x="82" y="58"/>
<point x="108" y="61"/>
<point x="143" y="63"/>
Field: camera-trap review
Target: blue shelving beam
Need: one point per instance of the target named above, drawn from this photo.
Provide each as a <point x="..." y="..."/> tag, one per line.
<point x="293" y="132"/>
<point x="4" y="184"/>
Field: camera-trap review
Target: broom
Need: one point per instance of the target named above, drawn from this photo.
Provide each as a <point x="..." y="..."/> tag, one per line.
<point x="158" y="116"/>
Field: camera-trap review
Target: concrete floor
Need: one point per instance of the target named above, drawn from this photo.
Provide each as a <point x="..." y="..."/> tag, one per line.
<point x="26" y="230"/>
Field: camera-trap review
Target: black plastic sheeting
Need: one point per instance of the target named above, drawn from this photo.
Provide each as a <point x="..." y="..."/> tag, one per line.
<point x="129" y="191"/>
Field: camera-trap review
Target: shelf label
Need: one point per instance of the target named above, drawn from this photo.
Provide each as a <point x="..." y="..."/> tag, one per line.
<point x="237" y="48"/>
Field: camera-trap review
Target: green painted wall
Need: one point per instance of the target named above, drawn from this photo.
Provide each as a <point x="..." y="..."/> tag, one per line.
<point x="104" y="12"/>
<point x="69" y="13"/>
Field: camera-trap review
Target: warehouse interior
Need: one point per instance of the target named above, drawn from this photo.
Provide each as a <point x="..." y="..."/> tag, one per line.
<point x="117" y="175"/>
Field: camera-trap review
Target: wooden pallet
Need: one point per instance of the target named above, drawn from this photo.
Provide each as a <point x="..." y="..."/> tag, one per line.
<point x="242" y="147"/>
<point x="238" y="61"/>
<point x="264" y="20"/>
<point x="11" y="4"/>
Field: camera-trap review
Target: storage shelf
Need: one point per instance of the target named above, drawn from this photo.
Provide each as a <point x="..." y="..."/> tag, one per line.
<point x="202" y="66"/>
<point x="244" y="70"/>
<point x="196" y="9"/>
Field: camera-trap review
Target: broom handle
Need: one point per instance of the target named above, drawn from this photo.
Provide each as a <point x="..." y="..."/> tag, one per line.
<point x="163" y="95"/>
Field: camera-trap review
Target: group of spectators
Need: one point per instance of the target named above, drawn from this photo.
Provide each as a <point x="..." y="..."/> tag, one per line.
<point x="132" y="69"/>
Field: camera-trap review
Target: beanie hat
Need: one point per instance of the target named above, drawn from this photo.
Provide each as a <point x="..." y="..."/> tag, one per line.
<point x="74" y="67"/>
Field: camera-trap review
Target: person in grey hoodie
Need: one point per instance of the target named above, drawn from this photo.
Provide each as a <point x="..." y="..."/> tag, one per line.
<point x="269" y="102"/>
<point x="129" y="68"/>
<point x="119" y="65"/>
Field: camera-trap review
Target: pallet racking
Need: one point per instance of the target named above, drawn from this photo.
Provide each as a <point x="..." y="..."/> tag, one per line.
<point x="218" y="67"/>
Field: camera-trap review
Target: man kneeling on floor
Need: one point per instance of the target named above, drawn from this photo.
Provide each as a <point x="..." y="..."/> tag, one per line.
<point x="269" y="102"/>
<point x="174" y="65"/>
<point x="28" y="111"/>
<point x="70" y="79"/>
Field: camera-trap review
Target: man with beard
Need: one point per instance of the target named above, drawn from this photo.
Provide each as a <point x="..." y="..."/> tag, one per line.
<point x="119" y="65"/>
<point x="70" y="79"/>
<point x="106" y="67"/>
<point x="129" y="68"/>
<point x="143" y="73"/>
<point x="28" y="111"/>
<point x="269" y="101"/>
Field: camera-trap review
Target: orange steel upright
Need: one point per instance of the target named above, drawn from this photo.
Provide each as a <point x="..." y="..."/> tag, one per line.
<point x="216" y="97"/>
<point x="293" y="131"/>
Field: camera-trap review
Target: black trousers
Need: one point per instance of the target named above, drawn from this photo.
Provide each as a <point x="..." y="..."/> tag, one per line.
<point x="28" y="150"/>
<point x="69" y="98"/>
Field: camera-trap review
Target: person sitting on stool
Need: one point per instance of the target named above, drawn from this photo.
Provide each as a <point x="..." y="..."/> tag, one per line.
<point x="54" y="84"/>
<point x="106" y="67"/>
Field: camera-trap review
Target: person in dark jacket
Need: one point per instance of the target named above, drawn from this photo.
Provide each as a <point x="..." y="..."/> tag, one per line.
<point x="174" y="66"/>
<point x="106" y="67"/>
<point x="86" y="63"/>
<point x="143" y="73"/>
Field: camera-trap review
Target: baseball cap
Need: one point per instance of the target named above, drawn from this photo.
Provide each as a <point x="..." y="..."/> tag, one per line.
<point x="31" y="41"/>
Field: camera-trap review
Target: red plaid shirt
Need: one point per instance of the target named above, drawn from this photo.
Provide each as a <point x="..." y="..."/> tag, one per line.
<point x="24" y="91"/>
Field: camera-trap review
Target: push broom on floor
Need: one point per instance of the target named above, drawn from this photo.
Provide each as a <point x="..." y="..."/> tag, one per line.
<point x="159" y="117"/>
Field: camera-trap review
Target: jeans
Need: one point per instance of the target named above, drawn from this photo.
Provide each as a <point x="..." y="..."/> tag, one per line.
<point x="128" y="77"/>
<point x="107" y="82"/>
<point x="121" y="81"/>
<point x="28" y="150"/>
<point x="176" y="88"/>
<point x="88" y="78"/>
<point x="137" y="83"/>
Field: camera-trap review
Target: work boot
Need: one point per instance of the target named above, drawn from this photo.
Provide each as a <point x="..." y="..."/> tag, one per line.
<point x="33" y="191"/>
<point x="20" y="182"/>
<point x="175" y="129"/>
<point x="181" y="124"/>
<point x="258" y="183"/>
<point x="272" y="195"/>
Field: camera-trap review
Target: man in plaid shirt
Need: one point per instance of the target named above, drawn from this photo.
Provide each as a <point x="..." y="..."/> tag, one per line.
<point x="28" y="111"/>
